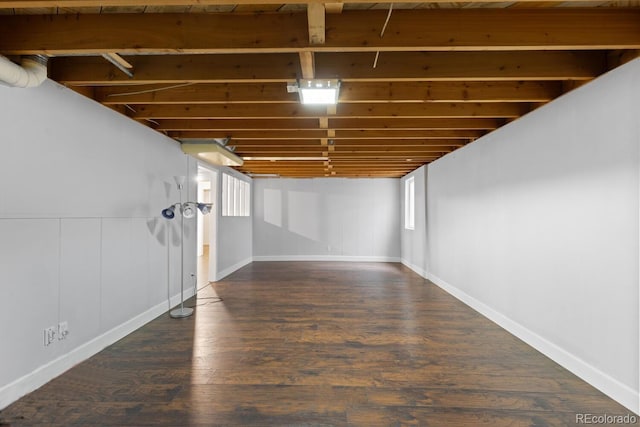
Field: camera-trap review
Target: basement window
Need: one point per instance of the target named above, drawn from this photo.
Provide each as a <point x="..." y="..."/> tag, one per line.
<point x="409" y="203"/>
<point x="236" y="196"/>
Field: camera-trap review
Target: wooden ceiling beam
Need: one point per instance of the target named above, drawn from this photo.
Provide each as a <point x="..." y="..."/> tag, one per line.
<point x="97" y="4"/>
<point x="356" y="67"/>
<point x="350" y="92"/>
<point x="351" y="31"/>
<point x="352" y="111"/>
<point x="135" y="33"/>
<point x="316" y="29"/>
<point x="401" y="161"/>
<point x="382" y="155"/>
<point x="267" y="136"/>
<point x="409" y="144"/>
<point x="191" y="93"/>
<point x="316" y="23"/>
<point x="406" y="168"/>
<point x="407" y="134"/>
<point x="385" y="156"/>
<point x="486" y="29"/>
<point x="334" y="7"/>
<point x="227" y="125"/>
<point x="462" y="66"/>
<point x="388" y="124"/>
<point x="307" y="65"/>
<point x="279" y="148"/>
<point x="406" y="151"/>
<point x="264" y="136"/>
<point x="450" y="91"/>
<point x="276" y="167"/>
<point x="416" y="124"/>
<point x="254" y="145"/>
<point x="375" y="163"/>
<point x="334" y="162"/>
<point x="286" y="164"/>
<point x="281" y="153"/>
<point x="178" y="69"/>
<point x="317" y="172"/>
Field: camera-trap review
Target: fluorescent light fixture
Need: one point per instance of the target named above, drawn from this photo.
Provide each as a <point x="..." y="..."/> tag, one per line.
<point x="277" y="159"/>
<point x="212" y="152"/>
<point x="263" y="175"/>
<point x="319" y="92"/>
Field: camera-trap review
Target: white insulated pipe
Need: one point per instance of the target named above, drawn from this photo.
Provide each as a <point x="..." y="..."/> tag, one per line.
<point x="31" y="72"/>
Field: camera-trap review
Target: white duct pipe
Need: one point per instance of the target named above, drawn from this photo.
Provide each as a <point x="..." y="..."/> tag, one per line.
<point x="31" y="73"/>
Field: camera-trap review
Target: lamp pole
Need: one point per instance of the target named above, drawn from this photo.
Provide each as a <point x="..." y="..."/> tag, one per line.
<point x="182" y="311"/>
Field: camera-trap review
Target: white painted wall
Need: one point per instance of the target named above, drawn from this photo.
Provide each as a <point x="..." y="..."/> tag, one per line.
<point x="234" y="235"/>
<point x="81" y="238"/>
<point x="414" y="242"/>
<point x="326" y="218"/>
<point x="536" y="226"/>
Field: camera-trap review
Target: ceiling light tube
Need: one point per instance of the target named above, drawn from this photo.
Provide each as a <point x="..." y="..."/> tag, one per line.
<point x="276" y="159"/>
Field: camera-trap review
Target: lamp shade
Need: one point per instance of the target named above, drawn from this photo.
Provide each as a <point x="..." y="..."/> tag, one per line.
<point x="205" y="208"/>
<point x="188" y="210"/>
<point x="169" y="213"/>
<point x="180" y="180"/>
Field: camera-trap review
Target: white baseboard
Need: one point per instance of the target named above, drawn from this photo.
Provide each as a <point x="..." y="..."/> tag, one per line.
<point x="227" y="271"/>
<point x="613" y="388"/>
<point x="345" y="258"/>
<point x="418" y="270"/>
<point x="45" y="373"/>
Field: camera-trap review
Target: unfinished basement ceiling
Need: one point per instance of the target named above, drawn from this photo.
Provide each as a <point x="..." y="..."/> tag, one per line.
<point x="440" y="76"/>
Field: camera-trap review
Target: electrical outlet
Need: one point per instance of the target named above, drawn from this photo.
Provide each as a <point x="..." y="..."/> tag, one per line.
<point x="63" y="330"/>
<point x="49" y="335"/>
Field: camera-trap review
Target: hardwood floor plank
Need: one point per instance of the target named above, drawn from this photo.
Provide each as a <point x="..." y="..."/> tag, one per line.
<point x="303" y="344"/>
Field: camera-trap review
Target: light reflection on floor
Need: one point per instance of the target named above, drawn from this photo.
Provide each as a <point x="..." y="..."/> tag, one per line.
<point x="210" y="332"/>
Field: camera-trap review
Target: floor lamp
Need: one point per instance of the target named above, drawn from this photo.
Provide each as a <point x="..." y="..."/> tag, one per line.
<point x="186" y="210"/>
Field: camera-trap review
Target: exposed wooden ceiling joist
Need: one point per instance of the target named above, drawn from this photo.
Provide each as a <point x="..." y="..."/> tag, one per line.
<point x="392" y="67"/>
<point x="307" y="65"/>
<point x="275" y="111"/>
<point x="348" y="143"/>
<point x="25" y="4"/>
<point x="366" y="135"/>
<point x="317" y="151"/>
<point x="338" y="124"/>
<point x="365" y="92"/>
<point x="445" y="74"/>
<point x="316" y="23"/>
<point x="334" y="7"/>
<point x="350" y="31"/>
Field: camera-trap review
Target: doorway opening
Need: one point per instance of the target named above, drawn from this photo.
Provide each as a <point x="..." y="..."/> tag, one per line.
<point x="206" y="227"/>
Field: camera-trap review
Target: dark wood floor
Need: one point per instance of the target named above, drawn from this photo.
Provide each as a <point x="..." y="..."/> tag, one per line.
<point x="316" y="344"/>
